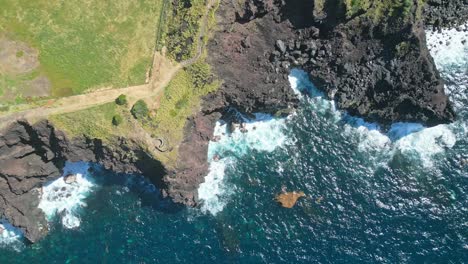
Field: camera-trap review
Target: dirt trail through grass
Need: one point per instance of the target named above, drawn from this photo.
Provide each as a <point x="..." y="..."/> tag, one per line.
<point x="163" y="71"/>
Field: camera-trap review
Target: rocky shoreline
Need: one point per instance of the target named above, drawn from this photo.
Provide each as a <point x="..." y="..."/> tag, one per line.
<point x="31" y="155"/>
<point x="366" y="67"/>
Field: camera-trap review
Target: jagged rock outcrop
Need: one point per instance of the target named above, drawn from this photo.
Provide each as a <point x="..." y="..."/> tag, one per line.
<point x="367" y="64"/>
<point x="31" y="155"/>
<point x="443" y="13"/>
<point x="182" y="184"/>
<point x="379" y="69"/>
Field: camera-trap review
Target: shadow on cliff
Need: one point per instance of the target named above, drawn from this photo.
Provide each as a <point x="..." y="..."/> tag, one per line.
<point x="304" y="14"/>
<point x="144" y="186"/>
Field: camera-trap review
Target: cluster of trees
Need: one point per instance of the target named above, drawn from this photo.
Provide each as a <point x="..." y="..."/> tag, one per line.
<point x="139" y="110"/>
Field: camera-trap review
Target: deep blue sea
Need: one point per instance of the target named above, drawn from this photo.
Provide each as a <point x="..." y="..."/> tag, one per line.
<point x="374" y="194"/>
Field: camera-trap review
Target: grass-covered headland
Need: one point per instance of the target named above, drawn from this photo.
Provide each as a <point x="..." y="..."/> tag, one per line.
<point x="161" y="117"/>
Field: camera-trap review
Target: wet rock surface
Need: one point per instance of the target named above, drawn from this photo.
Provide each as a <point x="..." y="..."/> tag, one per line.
<point x="31" y="155"/>
<point x="380" y="71"/>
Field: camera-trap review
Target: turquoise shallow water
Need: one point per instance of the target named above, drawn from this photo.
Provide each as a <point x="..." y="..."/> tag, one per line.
<point x="373" y="195"/>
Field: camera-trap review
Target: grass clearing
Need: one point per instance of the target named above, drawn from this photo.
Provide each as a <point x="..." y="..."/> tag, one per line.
<point x="95" y="122"/>
<point x="86" y="44"/>
<point x="169" y="110"/>
<point x="378" y="9"/>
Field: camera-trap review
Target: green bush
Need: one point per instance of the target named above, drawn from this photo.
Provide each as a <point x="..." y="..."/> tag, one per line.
<point x="121" y="100"/>
<point x="140" y="110"/>
<point x="117" y="120"/>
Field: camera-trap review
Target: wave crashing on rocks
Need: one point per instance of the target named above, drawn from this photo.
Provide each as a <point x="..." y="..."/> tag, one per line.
<point x="263" y="133"/>
<point x="65" y="200"/>
<point x="411" y="141"/>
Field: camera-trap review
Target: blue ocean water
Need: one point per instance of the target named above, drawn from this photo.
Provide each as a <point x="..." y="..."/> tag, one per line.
<point x="388" y="196"/>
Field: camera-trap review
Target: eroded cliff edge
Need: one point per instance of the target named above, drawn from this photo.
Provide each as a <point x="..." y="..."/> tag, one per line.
<point x="31" y="155"/>
<point x="367" y="67"/>
<point x="379" y="69"/>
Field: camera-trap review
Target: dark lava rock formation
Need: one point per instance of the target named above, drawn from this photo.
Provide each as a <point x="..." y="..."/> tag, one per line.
<point x="380" y="70"/>
<point x="182" y="184"/>
<point x="31" y="155"/>
<point x="444" y="13"/>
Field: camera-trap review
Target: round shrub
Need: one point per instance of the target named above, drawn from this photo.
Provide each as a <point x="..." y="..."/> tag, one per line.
<point x="121" y="100"/>
<point x="117" y="120"/>
<point x="140" y="110"/>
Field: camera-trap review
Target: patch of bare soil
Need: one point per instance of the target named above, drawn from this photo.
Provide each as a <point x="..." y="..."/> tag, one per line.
<point x="37" y="87"/>
<point x="18" y="62"/>
<point x="16" y="57"/>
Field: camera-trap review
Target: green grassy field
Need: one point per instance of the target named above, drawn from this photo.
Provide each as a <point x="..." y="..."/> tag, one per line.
<point x="85" y="44"/>
<point x="95" y="122"/>
<point x="180" y="100"/>
<point x="169" y="111"/>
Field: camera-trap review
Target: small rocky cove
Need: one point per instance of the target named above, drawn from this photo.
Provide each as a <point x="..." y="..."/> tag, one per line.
<point x="32" y="155"/>
<point x="366" y="67"/>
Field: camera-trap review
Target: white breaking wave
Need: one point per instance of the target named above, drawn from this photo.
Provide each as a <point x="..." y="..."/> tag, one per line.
<point x="65" y="199"/>
<point x="264" y="133"/>
<point x="449" y="48"/>
<point x="214" y="189"/>
<point x="10" y="236"/>
<point x="410" y="139"/>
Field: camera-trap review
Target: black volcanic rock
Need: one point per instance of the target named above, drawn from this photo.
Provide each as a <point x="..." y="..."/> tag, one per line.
<point x="380" y="70"/>
<point x="28" y="158"/>
<point x="31" y="155"/>
<point x="444" y="13"/>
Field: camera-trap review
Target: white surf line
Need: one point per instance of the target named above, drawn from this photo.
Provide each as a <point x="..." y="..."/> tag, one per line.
<point x="264" y="133"/>
<point x="410" y="139"/>
<point x="65" y="197"/>
<point x="10" y="236"/>
<point x="449" y="48"/>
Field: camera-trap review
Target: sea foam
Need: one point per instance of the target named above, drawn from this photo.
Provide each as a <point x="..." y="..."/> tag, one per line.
<point x="10" y="236"/>
<point x="410" y="139"/>
<point x="263" y="133"/>
<point x="66" y="199"/>
<point x="449" y="48"/>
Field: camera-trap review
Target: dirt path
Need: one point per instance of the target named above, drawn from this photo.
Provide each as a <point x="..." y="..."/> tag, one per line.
<point x="163" y="71"/>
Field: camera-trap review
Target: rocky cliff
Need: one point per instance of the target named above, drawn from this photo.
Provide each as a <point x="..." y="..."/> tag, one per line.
<point x="373" y="62"/>
<point x="374" y="67"/>
<point x="31" y="155"/>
